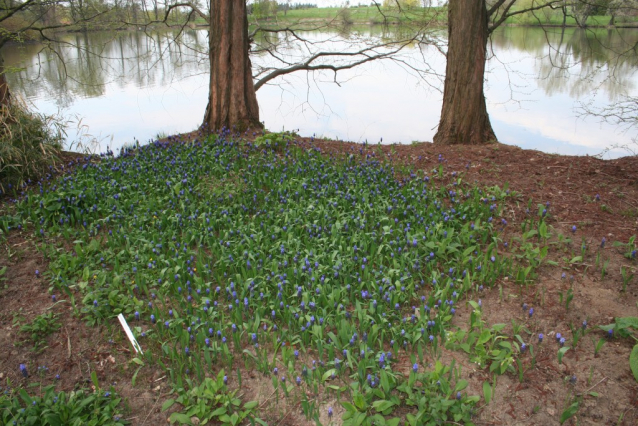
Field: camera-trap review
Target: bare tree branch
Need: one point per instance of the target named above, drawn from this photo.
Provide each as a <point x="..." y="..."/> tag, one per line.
<point x="368" y="54"/>
<point x="507" y="14"/>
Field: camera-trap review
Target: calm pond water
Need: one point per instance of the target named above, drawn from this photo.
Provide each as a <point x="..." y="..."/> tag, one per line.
<point x="136" y="85"/>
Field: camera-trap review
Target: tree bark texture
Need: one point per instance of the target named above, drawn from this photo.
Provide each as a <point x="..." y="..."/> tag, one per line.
<point x="464" y="118"/>
<point x="232" y="101"/>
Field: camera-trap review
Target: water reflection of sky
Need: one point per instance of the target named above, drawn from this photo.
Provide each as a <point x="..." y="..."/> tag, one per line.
<point x="380" y="100"/>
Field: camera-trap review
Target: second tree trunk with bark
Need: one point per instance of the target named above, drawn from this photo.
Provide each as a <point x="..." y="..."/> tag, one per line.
<point x="232" y="101"/>
<point x="464" y="118"/>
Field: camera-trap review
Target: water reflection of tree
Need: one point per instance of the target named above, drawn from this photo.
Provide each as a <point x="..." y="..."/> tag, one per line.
<point x="81" y="64"/>
<point x="577" y="61"/>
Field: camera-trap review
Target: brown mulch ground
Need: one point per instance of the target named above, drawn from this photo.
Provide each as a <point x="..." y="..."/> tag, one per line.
<point x="570" y="184"/>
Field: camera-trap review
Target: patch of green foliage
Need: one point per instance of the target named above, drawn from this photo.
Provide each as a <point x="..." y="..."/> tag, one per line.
<point x="212" y="401"/>
<point x="320" y="271"/>
<point x="76" y="408"/>
<point x="276" y="141"/>
<point x="40" y="328"/>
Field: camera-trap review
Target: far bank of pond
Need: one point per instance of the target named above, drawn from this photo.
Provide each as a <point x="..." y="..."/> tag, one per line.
<point x="127" y="86"/>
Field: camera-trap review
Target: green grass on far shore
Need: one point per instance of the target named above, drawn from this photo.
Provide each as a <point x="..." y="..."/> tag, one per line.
<point x="372" y="15"/>
<point x="366" y="14"/>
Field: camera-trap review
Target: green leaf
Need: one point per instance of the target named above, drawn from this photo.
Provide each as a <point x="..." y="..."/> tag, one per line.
<point x="25" y="397"/>
<point x="460" y="385"/>
<point x="94" y="379"/>
<point x="382" y="405"/>
<point x="53" y="419"/>
<point x="182" y="419"/>
<point x="328" y="374"/>
<point x="487" y="392"/>
<point x="137" y="361"/>
<point x="485" y="336"/>
<point x="385" y="383"/>
<point x="627" y="322"/>
<point x="569" y="412"/>
<point x="167" y="404"/>
<point x="349" y="407"/>
<point x="218" y="412"/>
<point x="561" y="353"/>
<point x="137" y="370"/>
<point x="633" y="361"/>
<point x="393" y="421"/>
<point x="250" y="405"/>
<point x="358" y="419"/>
<point x="359" y="402"/>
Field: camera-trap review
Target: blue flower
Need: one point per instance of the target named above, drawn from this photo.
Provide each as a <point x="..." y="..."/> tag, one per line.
<point x="23" y="370"/>
<point x="415" y="367"/>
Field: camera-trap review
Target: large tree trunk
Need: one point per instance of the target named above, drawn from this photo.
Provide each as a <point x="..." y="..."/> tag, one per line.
<point x="464" y="118"/>
<point x="232" y="101"/>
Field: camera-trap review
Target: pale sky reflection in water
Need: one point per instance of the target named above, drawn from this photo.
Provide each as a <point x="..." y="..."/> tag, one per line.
<point x="530" y="104"/>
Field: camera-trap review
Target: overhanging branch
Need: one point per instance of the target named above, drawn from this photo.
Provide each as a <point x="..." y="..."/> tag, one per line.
<point x="368" y="54"/>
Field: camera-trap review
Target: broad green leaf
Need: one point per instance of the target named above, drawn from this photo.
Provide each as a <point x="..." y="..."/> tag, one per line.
<point x="633" y="361"/>
<point x="627" y="322"/>
<point x="250" y="405"/>
<point x="382" y="405"/>
<point x="94" y="379"/>
<point x="182" y="419"/>
<point x="460" y="385"/>
<point x="569" y="412"/>
<point x="167" y="404"/>
<point x="487" y="392"/>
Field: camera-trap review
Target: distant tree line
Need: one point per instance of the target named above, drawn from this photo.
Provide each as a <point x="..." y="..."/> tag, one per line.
<point x="24" y="19"/>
